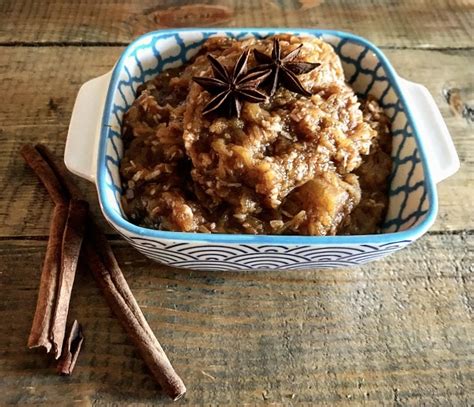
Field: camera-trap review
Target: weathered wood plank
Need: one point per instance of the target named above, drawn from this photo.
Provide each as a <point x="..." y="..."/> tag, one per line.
<point x="38" y="104"/>
<point x="441" y="23"/>
<point x="398" y="332"/>
<point x="381" y="334"/>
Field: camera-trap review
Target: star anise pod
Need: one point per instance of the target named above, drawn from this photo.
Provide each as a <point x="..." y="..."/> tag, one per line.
<point x="231" y="88"/>
<point x="283" y="69"/>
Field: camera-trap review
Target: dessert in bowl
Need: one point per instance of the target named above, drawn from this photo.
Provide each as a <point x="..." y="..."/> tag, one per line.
<point x="334" y="168"/>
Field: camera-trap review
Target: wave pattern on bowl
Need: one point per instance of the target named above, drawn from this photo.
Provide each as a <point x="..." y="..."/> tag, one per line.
<point x="249" y="257"/>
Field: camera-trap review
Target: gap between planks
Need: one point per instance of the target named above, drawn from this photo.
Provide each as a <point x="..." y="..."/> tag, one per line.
<point x="79" y="44"/>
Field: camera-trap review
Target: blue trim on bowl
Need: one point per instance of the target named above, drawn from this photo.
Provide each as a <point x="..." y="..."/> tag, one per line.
<point x="410" y="234"/>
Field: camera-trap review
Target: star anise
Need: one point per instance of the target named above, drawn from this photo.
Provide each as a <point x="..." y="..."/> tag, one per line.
<point x="283" y="69"/>
<point x="230" y="89"/>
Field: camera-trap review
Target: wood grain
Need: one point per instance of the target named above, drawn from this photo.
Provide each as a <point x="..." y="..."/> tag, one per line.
<point x="38" y="107"/>
<point x="396" y="332"/>
<point x="422" y="23"/>
<point x="381" y="334"/>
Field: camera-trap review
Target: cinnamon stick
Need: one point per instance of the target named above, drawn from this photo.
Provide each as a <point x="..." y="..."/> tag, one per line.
<point x="43" y="318"/>
<point x="70" y="251"/>
<point x="75" y="228"/>
<point x="62" y="254"/>
<point x="72" y="241"/>
<point x="130" y="316"/>
<point x="72" y="347"/>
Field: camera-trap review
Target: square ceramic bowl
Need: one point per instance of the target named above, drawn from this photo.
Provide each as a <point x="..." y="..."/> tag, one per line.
<point x="423" y="155"/>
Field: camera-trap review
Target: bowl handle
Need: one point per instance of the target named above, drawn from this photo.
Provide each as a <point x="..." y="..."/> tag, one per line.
<point x="80" y="155"/>
<point x="443" y="160"/>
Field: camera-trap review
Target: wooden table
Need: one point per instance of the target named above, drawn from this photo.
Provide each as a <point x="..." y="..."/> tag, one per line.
<point x="396" y="332"/>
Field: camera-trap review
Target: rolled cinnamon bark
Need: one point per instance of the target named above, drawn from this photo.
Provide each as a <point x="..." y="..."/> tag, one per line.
<point x="70" y="250"/>
<point x="71" y="350"/>
<point x="46" y="303"/>
<point x="62" y="255"/>
<point x="121" y="301"/>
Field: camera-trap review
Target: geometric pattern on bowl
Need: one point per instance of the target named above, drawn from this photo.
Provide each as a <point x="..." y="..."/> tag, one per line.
<point x="368" y="73"/>
<point x="246" y="257"/>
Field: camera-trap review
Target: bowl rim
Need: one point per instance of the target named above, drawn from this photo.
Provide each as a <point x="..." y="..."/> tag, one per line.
<point x="124" y="226"/>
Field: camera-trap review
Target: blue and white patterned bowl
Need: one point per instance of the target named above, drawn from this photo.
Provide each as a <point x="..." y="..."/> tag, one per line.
<point x="423" y="155"/>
